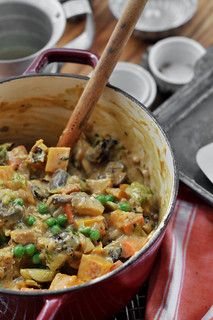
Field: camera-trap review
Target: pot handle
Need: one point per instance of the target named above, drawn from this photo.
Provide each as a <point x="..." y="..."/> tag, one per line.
<point x="50" y="309"/>
<point x="74" y="8"/>
<point x="62" y="55"/>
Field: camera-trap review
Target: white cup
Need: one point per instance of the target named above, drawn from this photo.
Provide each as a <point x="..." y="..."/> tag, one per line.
<point x="172" y="61"/>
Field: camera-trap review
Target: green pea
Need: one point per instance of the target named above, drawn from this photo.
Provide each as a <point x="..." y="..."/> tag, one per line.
<point x="62" y="219"/>
<point x="36" y="258"/>
<point x="125" y="206"/>
<point x="85" y="230"/>
<point x="18" y="202"/>
<point x="19" y="251"/>
<point x="110" y="197"/>
<point x="101" y="198"/>
<point x="30" y="249"/>
<point x="31" y="220"/>
<point x="42" y="208"/>
<point x="95" y="235"/>
<point x="55" y="229"/>
<point x="51" y="222"/>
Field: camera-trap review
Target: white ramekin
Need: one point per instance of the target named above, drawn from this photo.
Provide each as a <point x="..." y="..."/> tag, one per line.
<point x="172" y="61"/>
<point x="135" y="80"/>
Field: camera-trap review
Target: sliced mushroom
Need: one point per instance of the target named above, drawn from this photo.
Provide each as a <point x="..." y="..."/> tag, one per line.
<point x="39" y="189"/>
<point x="10" y="210"/>
<point x="59" y="179"/>
<point x="114" y="251"/>
<point x="100" y="153"/>
<point x="117" y="170"/>
<point x="60" y="199"/>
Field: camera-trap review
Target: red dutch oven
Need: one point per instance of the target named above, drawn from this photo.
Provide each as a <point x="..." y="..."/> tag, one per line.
<point x="37" y="105"/>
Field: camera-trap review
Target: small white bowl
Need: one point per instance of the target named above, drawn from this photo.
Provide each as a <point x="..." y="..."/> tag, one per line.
<point x="135" y="80"/>
<point x="172" y="61"/>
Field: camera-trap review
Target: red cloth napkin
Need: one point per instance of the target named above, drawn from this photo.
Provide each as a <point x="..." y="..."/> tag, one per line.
<point x="181" y="284"/>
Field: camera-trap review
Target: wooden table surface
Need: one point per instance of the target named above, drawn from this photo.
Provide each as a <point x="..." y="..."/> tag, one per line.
<point x="200" y="28"/>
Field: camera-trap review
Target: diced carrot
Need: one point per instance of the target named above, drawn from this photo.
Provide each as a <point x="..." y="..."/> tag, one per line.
<point x="69" y="213"/>
<point x="130" y="245"/>
<point x="127" y="249"/>
<point x="128" y="228"/>
<point x="116" y="265"/>
<point x="116" y="192"/>
<point x="123" y="190"/>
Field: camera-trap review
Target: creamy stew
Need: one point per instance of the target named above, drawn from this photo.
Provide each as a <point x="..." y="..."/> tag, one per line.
<point x="67" y="219"/>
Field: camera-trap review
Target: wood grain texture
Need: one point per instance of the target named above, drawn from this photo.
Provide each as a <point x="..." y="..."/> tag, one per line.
<point x="200" y="28"/>
<point x="102" y="72"/>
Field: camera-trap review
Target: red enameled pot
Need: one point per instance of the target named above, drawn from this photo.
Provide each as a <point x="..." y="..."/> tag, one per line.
<point x="37" y="105"/>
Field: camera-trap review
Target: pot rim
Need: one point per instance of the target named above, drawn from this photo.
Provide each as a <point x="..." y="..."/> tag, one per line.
<point x="152" y="241"/>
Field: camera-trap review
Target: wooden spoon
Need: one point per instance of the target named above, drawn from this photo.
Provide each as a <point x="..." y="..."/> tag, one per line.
<point x="102" y="72"/>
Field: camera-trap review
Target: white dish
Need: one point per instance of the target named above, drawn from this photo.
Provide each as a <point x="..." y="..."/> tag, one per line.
<point x="136" y="81"/>
<point x="172" y="61"/>
<point x="159" y="16"/>
<point x="204" y="160"/>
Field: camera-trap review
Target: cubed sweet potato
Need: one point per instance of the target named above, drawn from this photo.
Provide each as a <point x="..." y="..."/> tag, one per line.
<point x="93" y="266"/>
<point x="23" y="236"/>
<point x="90" y="221"/>
<point x="131" y="244"/>
<point x="63" y="281"/>
<point x="99" y="185"/>
<point x="6" y="173"/>
<point x="86" y="205"/>
<point x="125" y="221"/>
<point x="57" y="158"/>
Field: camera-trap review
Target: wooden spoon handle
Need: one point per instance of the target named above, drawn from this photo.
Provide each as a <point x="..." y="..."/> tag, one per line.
<point x="102" y="72"/>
